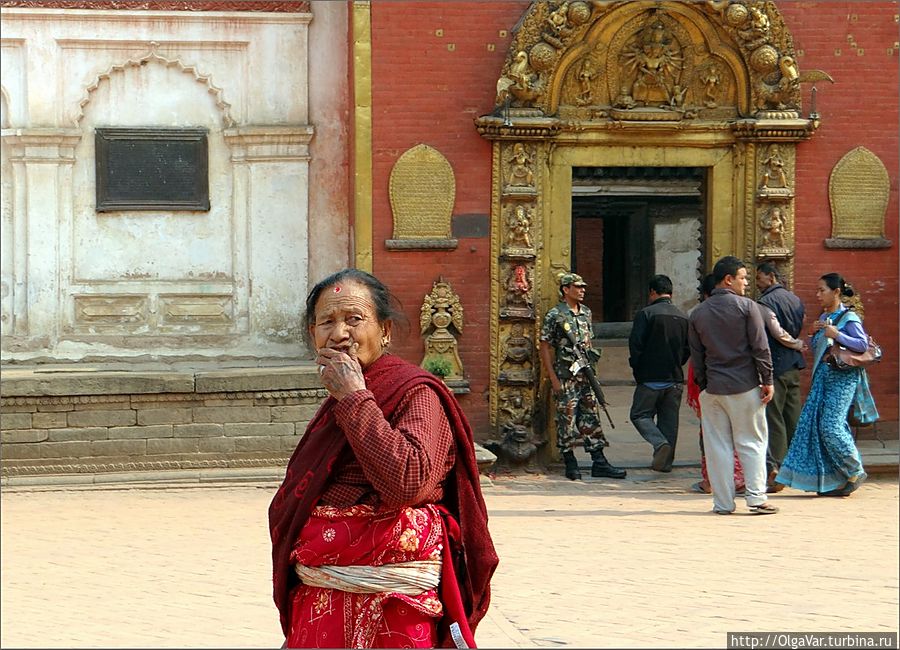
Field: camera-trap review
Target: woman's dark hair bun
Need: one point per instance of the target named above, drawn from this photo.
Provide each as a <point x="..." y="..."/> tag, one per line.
<point x="847" y="289"/>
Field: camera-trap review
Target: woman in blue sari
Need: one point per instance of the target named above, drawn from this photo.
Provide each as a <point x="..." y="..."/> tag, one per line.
<point x="822" y="456"/>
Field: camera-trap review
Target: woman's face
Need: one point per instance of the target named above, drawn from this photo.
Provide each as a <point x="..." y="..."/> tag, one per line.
<point x="345" y="315"/>
<point x="827" y="296"/>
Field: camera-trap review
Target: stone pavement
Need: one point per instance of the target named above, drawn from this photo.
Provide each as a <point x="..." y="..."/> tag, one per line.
<point x="640" y="562"/>
<point x="628" y="449"/>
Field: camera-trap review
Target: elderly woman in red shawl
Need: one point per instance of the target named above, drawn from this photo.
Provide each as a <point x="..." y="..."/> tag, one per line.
<point x="379" y="530"/>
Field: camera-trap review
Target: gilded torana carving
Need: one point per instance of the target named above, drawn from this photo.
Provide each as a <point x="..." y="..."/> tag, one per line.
<point x="638" y="83"/>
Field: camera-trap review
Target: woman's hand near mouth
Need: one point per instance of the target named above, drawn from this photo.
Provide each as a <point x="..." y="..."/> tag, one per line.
<point x="340" y="370"/>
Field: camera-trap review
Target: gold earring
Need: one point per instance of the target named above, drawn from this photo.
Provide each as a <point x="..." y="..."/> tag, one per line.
<point x="385" y="341"/>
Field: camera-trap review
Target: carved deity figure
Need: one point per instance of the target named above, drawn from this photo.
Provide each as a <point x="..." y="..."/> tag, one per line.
<point x="517" y="297"/>
<point x="624" y="98"/>
<point x="757" y="26"/>
<point x="773" y="223"/>
<point x="711" y="79"/>
<point x="520" y="170"/>
<point x="514" y="408"/>
<point x="773" y="172"/>
<point x="517" y="445"/>
<point x="655" y="62"/>
<point x="518" y="289"/>
<point x="518" y="227"/>
<point x="586" y="73"/>
<point x="557" y="19"/>
<point x="441" y="310"/>
<point x="519" y="348"/>
<point x="676" y="99"/>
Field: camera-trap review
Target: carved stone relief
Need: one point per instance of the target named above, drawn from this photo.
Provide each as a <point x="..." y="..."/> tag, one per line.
<point x="520" y="169"/>
<point x="422" y="193"/>
<point x="442" y="312"/>
<point x="519" y="242"/>
<point x="518" y="299"/>
<point x="774" y="198"/>
<point x="858" y="192"/>
<point x="653" y="60"/>
<point x="517" y="443"/>
<point x="517" y="363"/>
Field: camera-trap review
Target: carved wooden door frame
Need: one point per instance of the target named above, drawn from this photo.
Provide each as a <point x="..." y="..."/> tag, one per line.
<point x="722" y="93"/>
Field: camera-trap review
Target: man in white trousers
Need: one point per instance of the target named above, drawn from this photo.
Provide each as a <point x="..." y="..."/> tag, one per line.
<point x="733" y="368"/>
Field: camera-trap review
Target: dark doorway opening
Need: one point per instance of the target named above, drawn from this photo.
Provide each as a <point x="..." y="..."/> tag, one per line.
<point x="629" y="223"/>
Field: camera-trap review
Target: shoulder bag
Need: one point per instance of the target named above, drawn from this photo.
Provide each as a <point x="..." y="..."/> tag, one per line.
<point x="841" y="358"/>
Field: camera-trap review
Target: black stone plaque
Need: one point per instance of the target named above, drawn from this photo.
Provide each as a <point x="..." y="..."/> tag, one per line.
<point x="152" y="169"/>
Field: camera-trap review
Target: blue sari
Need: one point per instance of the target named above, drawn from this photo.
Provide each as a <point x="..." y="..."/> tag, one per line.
<point x="822" y="456"/>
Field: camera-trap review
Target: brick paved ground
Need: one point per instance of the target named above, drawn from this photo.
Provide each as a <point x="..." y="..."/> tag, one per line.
<point x="634" y="563"/>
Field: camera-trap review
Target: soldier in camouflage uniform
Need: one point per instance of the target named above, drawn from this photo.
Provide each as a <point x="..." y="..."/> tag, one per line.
<point x="577" y="417"/>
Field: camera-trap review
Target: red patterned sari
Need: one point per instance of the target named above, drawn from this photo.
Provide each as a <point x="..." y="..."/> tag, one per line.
<point x="359" y="536"/>
<point x="454" y="530"/>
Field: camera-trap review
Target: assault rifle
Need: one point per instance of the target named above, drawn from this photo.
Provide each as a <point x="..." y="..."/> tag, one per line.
<point x="583" y="363"/>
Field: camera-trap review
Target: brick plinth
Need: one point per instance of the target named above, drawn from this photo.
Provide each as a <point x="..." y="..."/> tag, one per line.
<point x="226" y="419"/>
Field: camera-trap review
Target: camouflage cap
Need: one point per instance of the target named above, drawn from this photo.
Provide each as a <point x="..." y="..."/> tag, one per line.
<point x="565" y="279"/>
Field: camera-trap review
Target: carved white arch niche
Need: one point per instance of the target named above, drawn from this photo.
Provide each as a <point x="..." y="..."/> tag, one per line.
<point x="149" y="272"/>
<point x="163" y="283"/>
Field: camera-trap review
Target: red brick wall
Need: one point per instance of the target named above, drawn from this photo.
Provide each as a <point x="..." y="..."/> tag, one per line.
<point x="859" y="109"/>
<point x="589" y="262"/>
<point x="426" y="91"/>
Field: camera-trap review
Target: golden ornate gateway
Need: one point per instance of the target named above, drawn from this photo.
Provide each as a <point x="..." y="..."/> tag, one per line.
<point x="711" y="85"/>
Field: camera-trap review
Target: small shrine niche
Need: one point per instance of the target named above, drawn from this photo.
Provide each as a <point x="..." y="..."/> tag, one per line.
<point x="441" y="312"/>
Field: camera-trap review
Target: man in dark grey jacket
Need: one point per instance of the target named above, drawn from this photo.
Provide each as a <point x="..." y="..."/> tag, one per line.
<point x="783" y="411"/>
<point x="733" y="368"/>
<point x="658" y="349"/>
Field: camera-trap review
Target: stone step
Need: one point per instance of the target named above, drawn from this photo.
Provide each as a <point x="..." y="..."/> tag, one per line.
<point x="613" y="368"/>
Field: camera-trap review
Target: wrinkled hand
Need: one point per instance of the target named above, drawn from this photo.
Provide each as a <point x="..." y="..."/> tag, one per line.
<point x="768" y="392"/>
<point x="340" y="371"/>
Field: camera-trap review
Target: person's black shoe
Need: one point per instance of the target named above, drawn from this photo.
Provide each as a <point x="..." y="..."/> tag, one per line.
<point x="661" y="458"/>
<point x="572" y="471"/>
<point x="602" y="468"/>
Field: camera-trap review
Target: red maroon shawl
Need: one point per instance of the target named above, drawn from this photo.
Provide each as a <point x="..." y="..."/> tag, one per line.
<point x="323" y="445"/>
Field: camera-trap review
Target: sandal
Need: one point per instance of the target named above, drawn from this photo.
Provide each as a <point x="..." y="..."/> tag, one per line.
<point x="701" y="488"/>
<point x="763" y="509"/>
<point x="837" y="492"/>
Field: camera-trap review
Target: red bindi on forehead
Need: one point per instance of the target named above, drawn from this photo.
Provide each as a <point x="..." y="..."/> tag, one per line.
<point x="337" y="288"/>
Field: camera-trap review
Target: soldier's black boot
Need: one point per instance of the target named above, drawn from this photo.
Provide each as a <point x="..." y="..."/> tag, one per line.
<point x="572" y="471"/>
<point x="602" y="467"/>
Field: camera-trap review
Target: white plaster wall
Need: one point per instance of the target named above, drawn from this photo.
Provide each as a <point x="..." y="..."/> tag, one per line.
<point x="330" y="111"/>
<point x="231" y="281"/>
<point x="678" y="256"/>
<point x="6" y="227"/>
<point x="125" y="245"/>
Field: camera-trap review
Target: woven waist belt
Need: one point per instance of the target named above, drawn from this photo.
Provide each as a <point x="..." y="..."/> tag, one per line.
<point x="410" y="578"/>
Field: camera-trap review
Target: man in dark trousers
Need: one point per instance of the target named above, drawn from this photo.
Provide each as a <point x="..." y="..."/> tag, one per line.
<point x="658" y="348"/>
<point x="783" y="411"/>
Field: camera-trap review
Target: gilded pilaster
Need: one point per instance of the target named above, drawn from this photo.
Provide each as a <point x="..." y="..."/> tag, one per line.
<point x="362" y="134"/>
